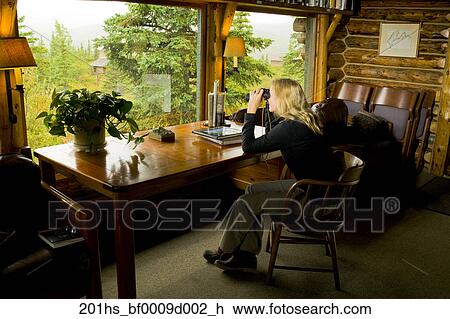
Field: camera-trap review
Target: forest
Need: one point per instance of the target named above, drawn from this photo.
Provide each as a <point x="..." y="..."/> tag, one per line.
<point x="152" y="60"/>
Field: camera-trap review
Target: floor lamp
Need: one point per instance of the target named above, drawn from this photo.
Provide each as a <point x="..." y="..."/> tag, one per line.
<point x="15" y="53"/>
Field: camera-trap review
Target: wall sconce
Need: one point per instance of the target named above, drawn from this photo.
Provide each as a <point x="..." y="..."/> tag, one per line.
<point x="234" y="47"/>
<point x="15" y="53"/>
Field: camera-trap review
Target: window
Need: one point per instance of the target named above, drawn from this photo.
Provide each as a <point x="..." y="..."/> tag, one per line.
<point x="147" y="53"/>
<point x="273" y="50"/>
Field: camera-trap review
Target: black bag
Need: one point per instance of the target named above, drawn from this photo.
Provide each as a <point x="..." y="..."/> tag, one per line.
<point x="371" y="128"/>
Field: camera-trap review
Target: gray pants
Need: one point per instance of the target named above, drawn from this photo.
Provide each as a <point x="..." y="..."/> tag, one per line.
<point x="241" y="216"/>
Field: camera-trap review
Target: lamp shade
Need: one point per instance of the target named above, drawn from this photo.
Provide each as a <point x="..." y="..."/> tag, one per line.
<point x="234" y="47"/>
<point x="15" y="53"/>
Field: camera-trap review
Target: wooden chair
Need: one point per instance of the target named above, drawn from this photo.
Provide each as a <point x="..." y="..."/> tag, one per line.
<point x="421" y="128"/>
<point x="355" y="95"/>
<point x="398" y="106"/>
<point x="342" y="187"/>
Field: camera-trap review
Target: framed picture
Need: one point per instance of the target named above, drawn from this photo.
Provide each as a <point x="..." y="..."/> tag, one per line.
<point x="399" y="39"/>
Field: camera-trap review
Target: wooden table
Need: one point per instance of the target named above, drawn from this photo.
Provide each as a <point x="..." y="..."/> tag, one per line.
<point x="122" y="173"/>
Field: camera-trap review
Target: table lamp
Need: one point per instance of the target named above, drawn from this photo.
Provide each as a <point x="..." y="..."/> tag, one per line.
<point x="234" y="47"/>
<point x="15" y="53"/>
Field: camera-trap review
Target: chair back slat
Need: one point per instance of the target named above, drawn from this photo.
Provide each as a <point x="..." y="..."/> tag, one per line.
<point x="394" y="97"/>
<point x="356" y="92"/>
<point x="355" y="95"/>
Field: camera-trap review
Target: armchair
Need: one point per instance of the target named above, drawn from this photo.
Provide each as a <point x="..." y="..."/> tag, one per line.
<point x="23" y="212"/>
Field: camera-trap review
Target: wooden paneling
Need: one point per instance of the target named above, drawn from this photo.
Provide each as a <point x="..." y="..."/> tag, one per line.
<point x="405" y="14"/>
<point x="372" y="27"/>
<point x="336" y="61"/>
<point x="372" y="57"/>
<point x="397" y="74"/>
<point x="426" y="46"/>
<point x="336" y="46"/>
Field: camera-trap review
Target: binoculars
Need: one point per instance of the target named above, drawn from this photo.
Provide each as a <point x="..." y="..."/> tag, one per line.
<point x="265" y="95"/>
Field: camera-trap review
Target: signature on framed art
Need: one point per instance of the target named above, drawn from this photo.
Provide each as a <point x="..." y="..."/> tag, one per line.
<point x="399" y="39"/>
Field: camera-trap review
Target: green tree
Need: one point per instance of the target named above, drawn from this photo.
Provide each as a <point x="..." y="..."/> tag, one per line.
<point x="150" y="40"/>
<point x="251" y="71"/>
<point x="293" y="64"/>
<point x="62" y="59"/>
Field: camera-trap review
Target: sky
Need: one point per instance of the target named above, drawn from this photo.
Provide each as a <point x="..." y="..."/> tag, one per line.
<point x="84" y="21"/>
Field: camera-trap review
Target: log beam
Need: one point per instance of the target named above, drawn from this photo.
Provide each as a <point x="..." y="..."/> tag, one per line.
<point x="372" y="57"/>
<point x="230" y="10"/>
<point x="397" y="74"/>
<point x="336" y="19"/>
<point x="372" y="27"/>
<point x="426" y="46"/>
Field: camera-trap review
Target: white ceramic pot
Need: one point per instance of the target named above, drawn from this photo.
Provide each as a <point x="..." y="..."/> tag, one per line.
<point x="90" y="138"/>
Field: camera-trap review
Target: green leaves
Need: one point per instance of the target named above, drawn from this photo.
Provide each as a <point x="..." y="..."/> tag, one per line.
<point x="89" y="111"/>
<point x="57" y="130"/>
<point x="42" y="114"/>
<point x="126" y="107"/>
<point x="113" y="131"/>
<point x="133" y="125"/>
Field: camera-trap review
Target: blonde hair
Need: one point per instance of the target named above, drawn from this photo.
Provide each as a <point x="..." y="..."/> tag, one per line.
<point x="292" y="103"/>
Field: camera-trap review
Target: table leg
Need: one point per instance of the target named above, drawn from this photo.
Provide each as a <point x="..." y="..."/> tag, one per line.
<point x="126" y="273"/>
<point x="95" y="279"/>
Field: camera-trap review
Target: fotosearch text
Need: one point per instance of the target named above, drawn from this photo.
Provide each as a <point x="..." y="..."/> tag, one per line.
<point x="320" y="214"/>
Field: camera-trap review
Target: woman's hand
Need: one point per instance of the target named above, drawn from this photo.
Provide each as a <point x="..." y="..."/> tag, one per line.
<point x="254" y="101"/>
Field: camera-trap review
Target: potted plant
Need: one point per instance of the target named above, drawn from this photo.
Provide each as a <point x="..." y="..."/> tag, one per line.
<point x="87" y="114"/>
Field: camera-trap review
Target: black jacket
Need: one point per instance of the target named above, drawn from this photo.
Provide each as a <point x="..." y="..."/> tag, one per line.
<point x="305" y="153"/>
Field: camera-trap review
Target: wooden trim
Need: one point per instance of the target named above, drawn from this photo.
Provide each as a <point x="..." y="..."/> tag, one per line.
<point x="202" y="112"/>
<point x="209" y="56"/>
<point x="321" y="59"/>
<point x="13" y="136"/>
<point x="227" y="20"/>
<point x="440" y="156"/>
<point x="310" y="58"/>
<point x="336" y="19"/>
<point x="219" y="45"/>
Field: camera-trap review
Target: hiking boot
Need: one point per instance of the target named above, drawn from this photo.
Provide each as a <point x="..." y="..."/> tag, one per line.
<point x="240" y="260"/>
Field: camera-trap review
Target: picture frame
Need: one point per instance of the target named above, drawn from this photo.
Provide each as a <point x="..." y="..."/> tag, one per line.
<point x="399" y="39"/>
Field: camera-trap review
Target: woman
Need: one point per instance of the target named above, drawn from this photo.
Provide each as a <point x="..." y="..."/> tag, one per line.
<point x="296" y="133"/>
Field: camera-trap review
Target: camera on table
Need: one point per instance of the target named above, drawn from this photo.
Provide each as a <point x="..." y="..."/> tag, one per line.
<point x="265" y="95"/>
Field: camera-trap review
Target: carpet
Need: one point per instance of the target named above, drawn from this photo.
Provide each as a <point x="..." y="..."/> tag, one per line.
<point x="435" y="195"/>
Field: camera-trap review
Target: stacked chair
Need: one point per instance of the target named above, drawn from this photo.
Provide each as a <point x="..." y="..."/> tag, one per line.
<point x="422" y="122"/>
<point x="398" y="106"/>
<point x="409" y="111"/>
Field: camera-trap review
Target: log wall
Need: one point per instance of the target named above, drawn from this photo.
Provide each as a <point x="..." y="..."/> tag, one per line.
<point x="353" y="50"/>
